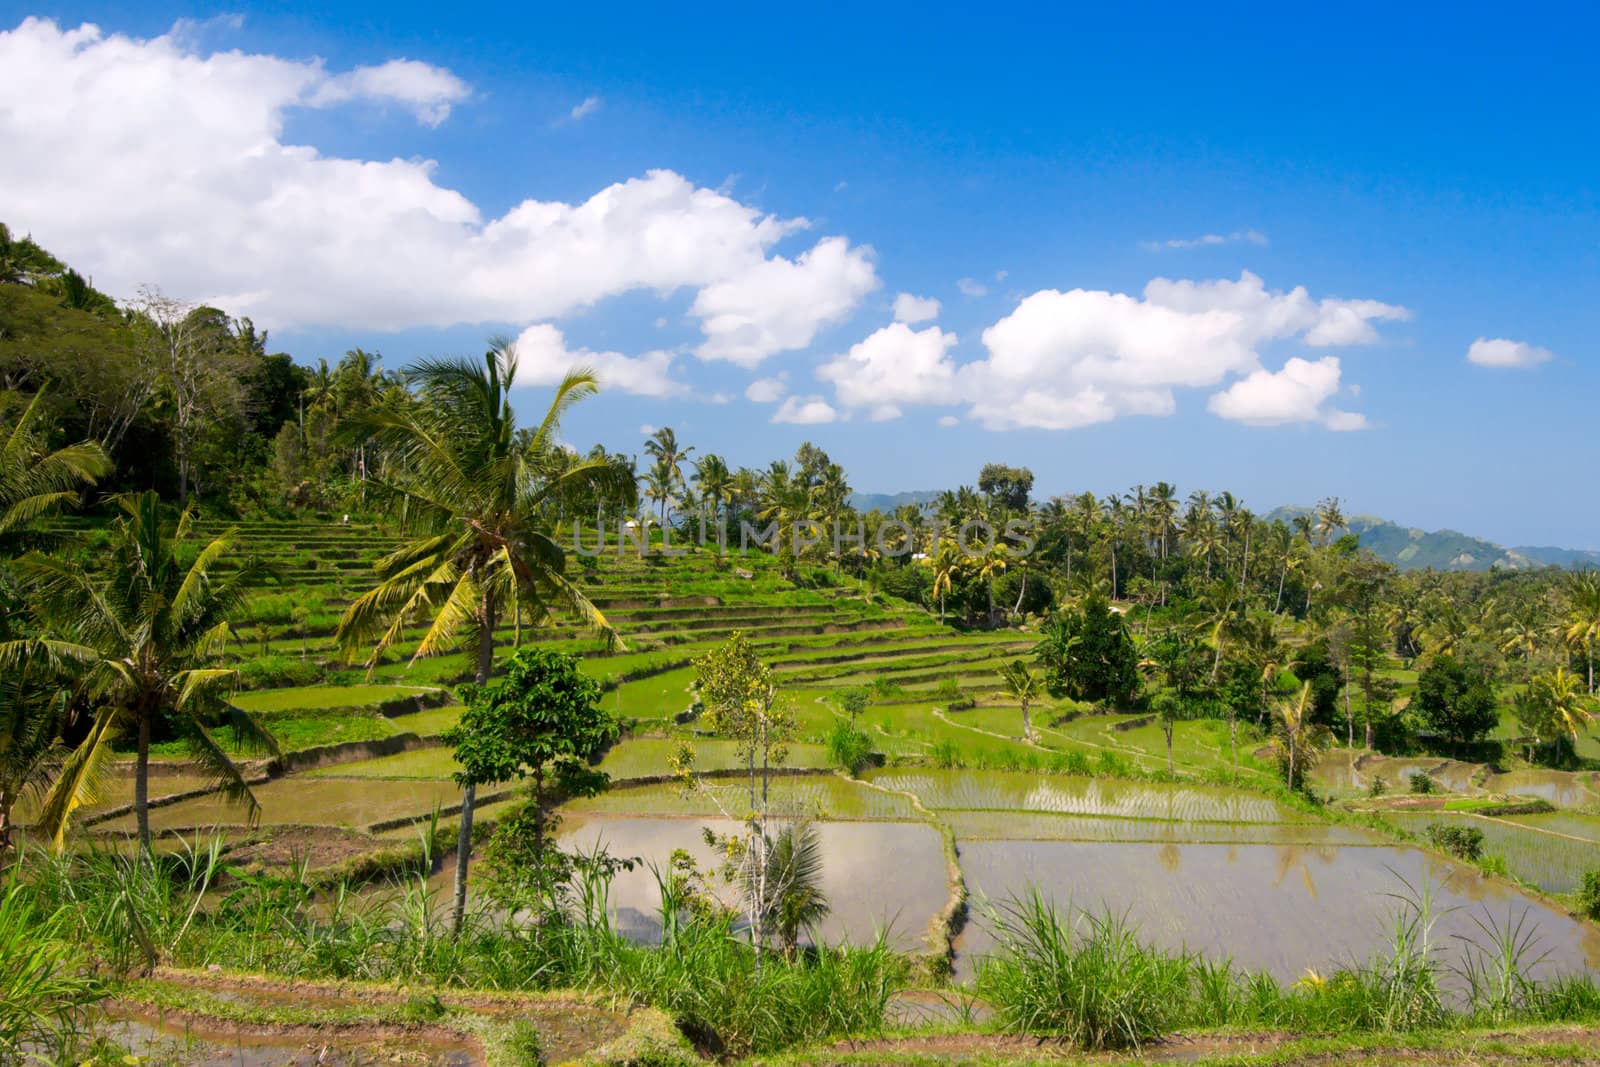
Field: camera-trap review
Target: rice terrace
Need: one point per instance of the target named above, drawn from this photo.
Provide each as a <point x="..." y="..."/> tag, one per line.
<point x="417" y="708"/>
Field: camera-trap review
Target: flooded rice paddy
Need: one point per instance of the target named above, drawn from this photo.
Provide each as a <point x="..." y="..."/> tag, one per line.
<point x="1552" y="851"/>
<point x="303" y="801"/>
<point x="1099" y="797"/>
<point x="1278" y="908"/>
<point x="877" y="876"/>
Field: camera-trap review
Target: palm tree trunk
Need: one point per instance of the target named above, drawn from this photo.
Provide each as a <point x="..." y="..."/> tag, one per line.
<point x="141" y="784"/>
<point x="1027" y="726"/>
<point x="1017" y="610"/>
<point x="469" y="793"/>
<point x="1277" y="607"/>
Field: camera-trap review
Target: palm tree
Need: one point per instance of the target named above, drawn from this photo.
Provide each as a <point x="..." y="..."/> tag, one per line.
<point x="669" y="456"/>
<point x="1299" y="739"/>
<point x="1024" y="685"/>
<point x="147" y="627"/>
<point x="716" y="485"/>
<point x="1563" y="701"/>
<point x="35" y="481"/>
<point x="1217" y="611"/>
<point x="794" y="893"/>
<point x="1329" y="519"/>
<point x="1583" y="615"/>
<point x="986" y="566"/>
<point x="947" y="566"/>
<point x="481" y="502"/>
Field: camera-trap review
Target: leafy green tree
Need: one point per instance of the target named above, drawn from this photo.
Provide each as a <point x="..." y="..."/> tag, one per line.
<point x="1314" y="663"/>
<point x="741" y="702"/>
<point x="146" y="627"/>
<point x="1006" y="486"/>
<point x="540" y="721"/>
<point x="1456" y="700"/>
<point x="483" y="502"/>
<point x="1087" y="654"/>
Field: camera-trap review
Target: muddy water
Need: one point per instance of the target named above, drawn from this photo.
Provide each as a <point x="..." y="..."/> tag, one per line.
<point x="1279" y="908"/>
<point x="215" y="1043"/>
<point x="306" y="801"/>
<point x="875" y="875"/>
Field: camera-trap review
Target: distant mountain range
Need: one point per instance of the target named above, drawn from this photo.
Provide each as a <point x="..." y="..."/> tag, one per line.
<point x="1448" y="550"/>
<point x="887" y="502"/>
<point x="1406" y="547"/>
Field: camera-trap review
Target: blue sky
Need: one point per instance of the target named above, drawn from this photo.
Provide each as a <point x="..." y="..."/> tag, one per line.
<point x="1436" y="165"/>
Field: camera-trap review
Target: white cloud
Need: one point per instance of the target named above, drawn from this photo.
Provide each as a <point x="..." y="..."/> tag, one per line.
<point x="893" y="366"/>
<point x="646" y="429"/>
<point x="1500" y="352"/>
<point x="971" y="287"/>
<point x="778" y="305"/>
<point x="908" y="308"/>
<point x="767" y="390"/>
<point x="947" y="421"/>
<point x="544" y="359"/>
<point x="1063" y="360"/>
<point x="427" y="90"/>
<point x="805" y="411"/>
<point x="1209" y="240"/>
<point x="590" y="105"/>
<point x="1001" y="275"/>
<point x="1297" y="393"/>
<point x="152" y="162"/>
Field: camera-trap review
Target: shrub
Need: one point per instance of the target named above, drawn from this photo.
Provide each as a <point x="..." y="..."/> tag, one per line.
<point x="849" y="747"/>
<point x="946" y="754"/>
<point x="1423" y="784"/>
<point x="1462" y="842"/>
<point x="1377" y="787"/>
<point x="1589" y="895"/>
<point x="272" y="671"/>
<point x="1096" y="986"/>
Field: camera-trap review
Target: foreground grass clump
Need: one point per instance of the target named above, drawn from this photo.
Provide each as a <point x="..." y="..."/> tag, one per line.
<point x="130" y="913"/>
<point x="43" y="989"/>
<point x="1095" y="986"/>
<point x="1089" y="981"/>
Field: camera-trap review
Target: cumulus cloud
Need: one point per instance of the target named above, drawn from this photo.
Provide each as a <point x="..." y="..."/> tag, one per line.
<point x="778" y="305"/>
<point x="207" y="199"/>
<point x="1501" y="352"/>
<point x="805" y="411"/>
<point x="893" y="366"/>
<point x="427" y="90"/>
<point x="588" y="107"/>
<point x="543" y="358"/>
<point x="971" y="287"/>
<point x="1297" y="393"/>
<point x="1209" y="240"/>
<point x="1062" y="360"/>
<point x="948" y="421"/>
<point x="908" y="308"/>
<point x="767" y="390"/>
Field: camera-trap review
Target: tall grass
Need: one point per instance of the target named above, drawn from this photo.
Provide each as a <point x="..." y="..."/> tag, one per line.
<point x="1091" y="982"/>
<point x="130" y="913"/>
<point x="44" y="991"/>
